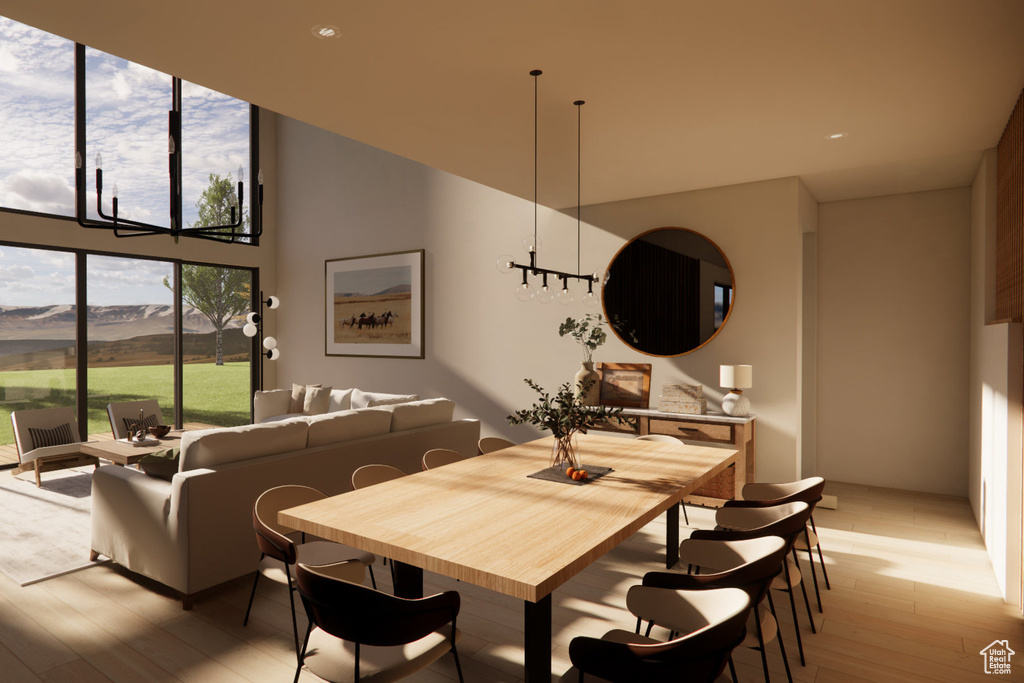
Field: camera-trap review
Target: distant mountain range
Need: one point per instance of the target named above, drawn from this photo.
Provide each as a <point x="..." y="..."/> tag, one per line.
<point x="106" y="323"/>
<point x="397" y="289"/>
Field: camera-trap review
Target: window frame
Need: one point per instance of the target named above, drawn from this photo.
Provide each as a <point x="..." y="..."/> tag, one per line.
<point x="81" y="321"/>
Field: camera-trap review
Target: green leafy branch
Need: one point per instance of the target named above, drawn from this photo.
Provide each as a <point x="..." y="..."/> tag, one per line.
<point x="588" y="332"/>
<point x="563" y="414"/>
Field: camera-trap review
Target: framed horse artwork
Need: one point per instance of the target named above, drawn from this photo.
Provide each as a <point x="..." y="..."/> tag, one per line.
<point x="373" y="305"/>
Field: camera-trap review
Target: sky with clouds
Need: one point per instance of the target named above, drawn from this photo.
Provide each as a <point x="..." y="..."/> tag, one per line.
<point x="126" y="121"/>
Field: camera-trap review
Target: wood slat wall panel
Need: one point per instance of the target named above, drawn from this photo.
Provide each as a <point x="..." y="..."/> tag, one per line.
<point x="1010" y="218"/>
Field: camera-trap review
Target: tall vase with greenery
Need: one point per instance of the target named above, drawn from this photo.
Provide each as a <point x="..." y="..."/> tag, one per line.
<point x="589" y="333"/>
<point x="564" y="415"/>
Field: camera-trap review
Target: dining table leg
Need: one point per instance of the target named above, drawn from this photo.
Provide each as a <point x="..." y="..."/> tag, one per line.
<point x="537" y="637"/>
<point x="408" y="580"/>
<point x="672" y="536"/>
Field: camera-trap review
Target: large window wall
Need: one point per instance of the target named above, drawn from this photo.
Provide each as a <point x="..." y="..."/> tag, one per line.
<point x="125" y="120"/>
<point x="129" y="342"/>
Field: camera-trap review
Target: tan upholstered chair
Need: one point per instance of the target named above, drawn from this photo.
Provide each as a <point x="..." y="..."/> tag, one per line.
<point x="47" y="439"/>
<point x="278" y="552"/>
<point x="489" y="444"/>
<point x="808" y="490"/>
<point x="716" y="619"/>
<point x="368" y="475"/>
<point x="754" y="563"/>
<point x="125" y="413"/>
<point x="665" y="438"/>
<point x="437" y="457"/>
<point x="358" y="633"/>
<point x="787" y="521"/>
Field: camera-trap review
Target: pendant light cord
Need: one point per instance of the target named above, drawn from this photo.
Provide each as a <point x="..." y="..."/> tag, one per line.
<point x="579" y="146"/>
<point x="536" y="247"/>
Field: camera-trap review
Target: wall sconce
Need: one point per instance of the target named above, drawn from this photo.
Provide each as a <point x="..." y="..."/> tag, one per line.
<point x="254" y="327"/>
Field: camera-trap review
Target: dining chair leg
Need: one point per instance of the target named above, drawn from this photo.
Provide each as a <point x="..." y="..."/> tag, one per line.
<point x="291" y="599"/>
<point x="458" y="665"/>
<point x="686" y="517"/>
<point x="373" y="580"/>
<point x="302" y="653"/>
<point x="803" y="589"/>
<point x="814" y="574"/>
<point x="252" y="594"/>
<point x="796" y="620"/>
<point x="824" y="572"/>
<point x="732" y="670"/>
<point x="778" y="637"/>
<point x="760" y="641"/>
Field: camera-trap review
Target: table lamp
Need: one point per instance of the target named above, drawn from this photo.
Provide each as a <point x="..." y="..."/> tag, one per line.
<point x="735" y="378"/>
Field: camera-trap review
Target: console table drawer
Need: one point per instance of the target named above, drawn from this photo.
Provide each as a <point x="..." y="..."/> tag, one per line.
<point x="693" y="431"/>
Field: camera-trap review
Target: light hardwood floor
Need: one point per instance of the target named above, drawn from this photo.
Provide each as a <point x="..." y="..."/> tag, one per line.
<point x="913" y="599"/>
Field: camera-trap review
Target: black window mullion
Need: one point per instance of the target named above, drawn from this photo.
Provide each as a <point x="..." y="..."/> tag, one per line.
<point x="179" y="358"/>
<point x="81" y="345"/>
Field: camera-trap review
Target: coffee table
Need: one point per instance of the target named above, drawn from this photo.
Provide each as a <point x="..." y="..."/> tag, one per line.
<point x="121" y="453"/>
<point x="485" y="522"/>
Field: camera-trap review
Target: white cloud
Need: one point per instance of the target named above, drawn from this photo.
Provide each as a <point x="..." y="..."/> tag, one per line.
<point x="38" y="191"/>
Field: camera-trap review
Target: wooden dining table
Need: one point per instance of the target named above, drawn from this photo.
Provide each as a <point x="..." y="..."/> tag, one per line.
<point x="486" y="522"/>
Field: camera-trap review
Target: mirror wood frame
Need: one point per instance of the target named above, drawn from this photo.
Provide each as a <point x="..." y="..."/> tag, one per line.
<point x="610" y="315"/>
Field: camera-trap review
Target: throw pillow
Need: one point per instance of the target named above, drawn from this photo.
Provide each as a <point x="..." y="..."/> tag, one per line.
<point x="316" y="401"/>
<point x="392" y="401"/>
<point x="132" y="424"/>
<point x="55" y="436"/>
<point x="367" y="399"/>
<point x="161" y="464"/>
<point x="299" y="397"/>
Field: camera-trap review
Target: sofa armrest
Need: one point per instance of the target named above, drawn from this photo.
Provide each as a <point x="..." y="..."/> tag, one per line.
<point x="135" y="524"/>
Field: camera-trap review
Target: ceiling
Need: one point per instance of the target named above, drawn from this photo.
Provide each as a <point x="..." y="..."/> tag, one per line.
<point x="681" y="94"/>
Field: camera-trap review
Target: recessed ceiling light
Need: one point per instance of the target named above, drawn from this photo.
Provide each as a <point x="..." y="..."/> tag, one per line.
<point x="835" y="136"/>
<point x="325" y="31"/>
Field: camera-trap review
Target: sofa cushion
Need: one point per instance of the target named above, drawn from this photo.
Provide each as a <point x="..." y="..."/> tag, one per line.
<point x="212" y="447"/>
<point x="347" y="425"/>
<point x="366" y="399"/>
<point x="421" y="413"/>
<point x="299" y="397"/>
<point x="316" y="401"/>
<point x="270" y="403"/>
<point x="341" y="399"/>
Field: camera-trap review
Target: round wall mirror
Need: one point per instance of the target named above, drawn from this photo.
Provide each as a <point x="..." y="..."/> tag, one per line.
<point x="668" y="292"/>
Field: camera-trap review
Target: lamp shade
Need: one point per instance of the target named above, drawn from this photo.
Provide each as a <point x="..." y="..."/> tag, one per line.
<point x="736" y="376"/>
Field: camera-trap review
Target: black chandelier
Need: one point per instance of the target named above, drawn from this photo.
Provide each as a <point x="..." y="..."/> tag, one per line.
<point x="124" y="227"/>
<point x="507" y="264"/>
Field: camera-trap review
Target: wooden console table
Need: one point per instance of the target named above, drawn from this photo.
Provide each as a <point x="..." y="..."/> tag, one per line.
<point x="710" y="429"/>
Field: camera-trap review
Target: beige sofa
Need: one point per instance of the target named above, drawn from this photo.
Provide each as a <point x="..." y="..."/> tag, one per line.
<point x="195" y="531"/>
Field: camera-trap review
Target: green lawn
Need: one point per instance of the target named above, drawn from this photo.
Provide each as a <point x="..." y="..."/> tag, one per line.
<point x="212" y="394"/>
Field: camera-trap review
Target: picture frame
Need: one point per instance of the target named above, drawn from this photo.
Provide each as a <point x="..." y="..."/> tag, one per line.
<point x="626" y="385"/>
<point x="373" y="305"/>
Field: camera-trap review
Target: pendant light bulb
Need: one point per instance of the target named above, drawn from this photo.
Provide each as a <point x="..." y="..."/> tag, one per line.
<point x="505" y="264"/>
<point x="565" y="297"/>
<point x="524" y="292"/>
<point x="546" y="295"/>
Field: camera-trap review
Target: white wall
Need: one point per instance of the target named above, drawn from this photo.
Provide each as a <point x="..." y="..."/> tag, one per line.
<point x="340" y="198"/>
<point x="893" y="343"/>
<point x="994" y="468"/>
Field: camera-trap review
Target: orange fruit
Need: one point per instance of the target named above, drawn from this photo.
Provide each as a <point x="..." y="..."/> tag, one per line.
<point x="569" y="471"/>
<point x="583" y="474"/>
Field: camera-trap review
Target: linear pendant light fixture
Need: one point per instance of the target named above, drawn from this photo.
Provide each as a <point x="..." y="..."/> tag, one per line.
<point x="124" y="227"/>
<point x="507" y="264"/>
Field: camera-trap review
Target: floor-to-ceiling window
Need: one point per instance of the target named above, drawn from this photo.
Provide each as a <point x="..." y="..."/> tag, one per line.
<point x="130" y="327"/>
<point x="216" y="375"/>
<point x="37" y="335"/>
